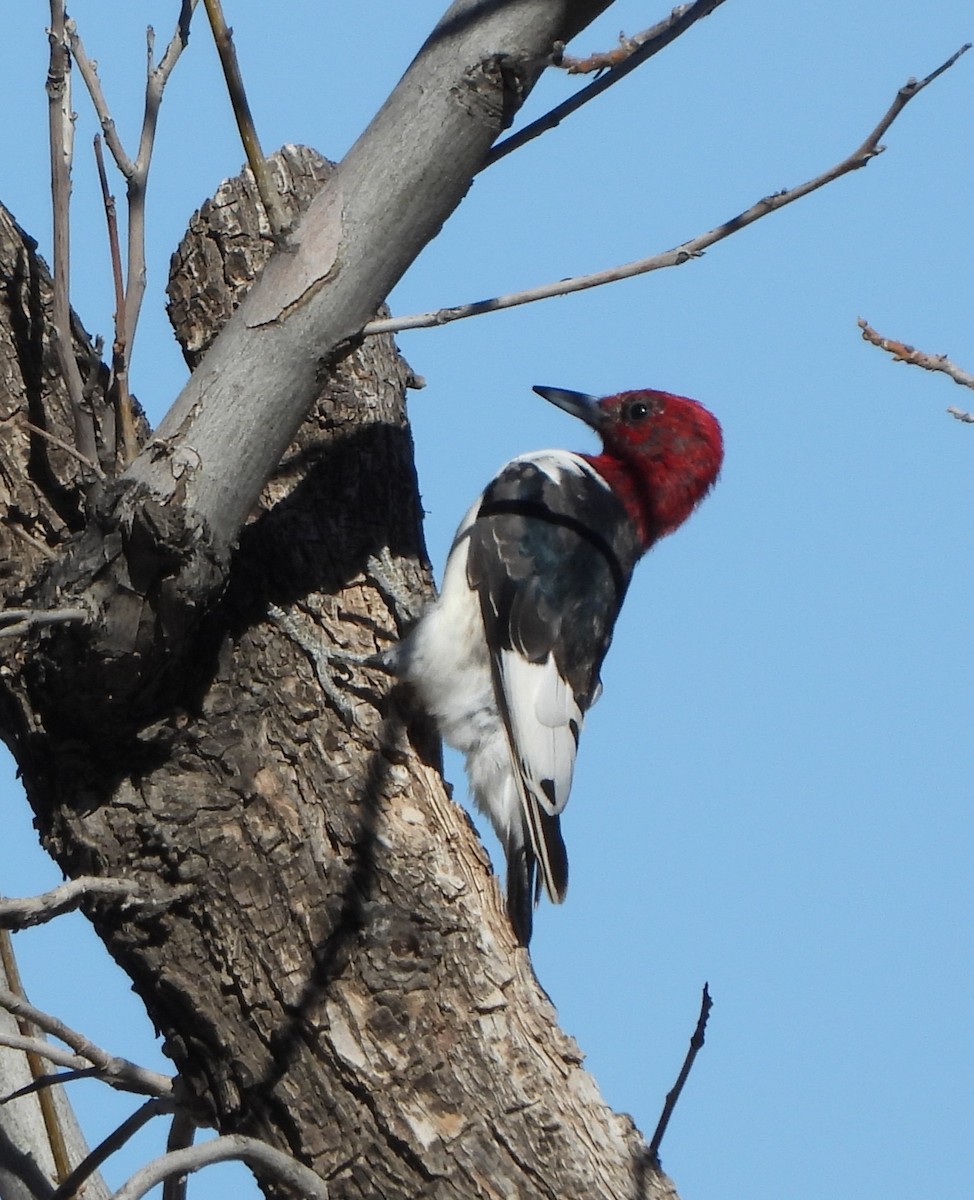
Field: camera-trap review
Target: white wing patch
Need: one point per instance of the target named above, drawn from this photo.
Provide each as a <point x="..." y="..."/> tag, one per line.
<point x="545" y="725"/>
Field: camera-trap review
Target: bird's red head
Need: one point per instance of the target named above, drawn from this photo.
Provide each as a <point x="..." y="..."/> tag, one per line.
<point x="661" y="453"/>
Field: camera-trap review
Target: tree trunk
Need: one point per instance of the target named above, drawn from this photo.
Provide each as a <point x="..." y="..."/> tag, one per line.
<point x="334" y="971"/>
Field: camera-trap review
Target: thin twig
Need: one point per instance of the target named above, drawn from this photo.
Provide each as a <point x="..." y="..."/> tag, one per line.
<point x="679" y="254"/>
<point x="120" y="374"/>
<point x="269" y="197"/>
<point x="37" y="910"/>
<point x="117" y="1072"/>
<point x="901" y="352"/>
<point x="61" y="136"/>
<point x="270" y="1162"/>
<point x="696" y="1044"/>
<point x="67" y="448"/>
<point x="115" y="1141"/>
<point x="654" y="40"/>
<point x="47" y="1081"/>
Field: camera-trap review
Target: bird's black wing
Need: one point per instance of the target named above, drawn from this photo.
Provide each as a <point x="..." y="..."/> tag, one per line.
<point x="551" y="553"/>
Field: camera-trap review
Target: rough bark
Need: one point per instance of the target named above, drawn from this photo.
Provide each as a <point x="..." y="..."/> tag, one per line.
<point x="336" y="973"/>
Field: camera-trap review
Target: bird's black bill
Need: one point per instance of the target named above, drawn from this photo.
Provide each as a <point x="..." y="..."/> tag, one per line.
<point x="586" y="408"/>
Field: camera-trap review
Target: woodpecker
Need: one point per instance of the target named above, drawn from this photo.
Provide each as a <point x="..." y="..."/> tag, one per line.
<point x="507" y="659"/>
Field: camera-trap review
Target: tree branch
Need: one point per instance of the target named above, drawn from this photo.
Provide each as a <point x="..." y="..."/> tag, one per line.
<point x="135" y="171"/>
<point x="37" y="910"/>
<point x="696" y="1045"/>
<point x="115" y="1141"/>
<point x="679" y="254"/>
<point x="61" y="136"/>
<point x="271" y="1163"/>
<point x="269" y="198"/>
<point x="181" y="1134"/>
<point x="120" y="374"/>
<point x="117" y="1072"/>
<point x="641" y="48"/>
<point x="901" y="352"/>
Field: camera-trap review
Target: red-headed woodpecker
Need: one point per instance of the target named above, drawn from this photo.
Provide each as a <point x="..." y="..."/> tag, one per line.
<point x="507" y="659"/>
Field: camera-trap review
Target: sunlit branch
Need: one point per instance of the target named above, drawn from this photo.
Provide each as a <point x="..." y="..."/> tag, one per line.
<point x="643" y="48"/>
<point x="135" y="171"/>
<point x="901" y="352"/>
<point x="271" y="1163"/>
<point x="683" y="253"/>
<point x="37" y="910"/>
<point x="117" y="1072"/>
<point x="61" y="137"/>
<point x="70" y="1186"/>
<point x="269" y="198"/>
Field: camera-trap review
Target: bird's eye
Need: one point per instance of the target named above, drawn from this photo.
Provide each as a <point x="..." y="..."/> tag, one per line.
<point x="637" y="411"/>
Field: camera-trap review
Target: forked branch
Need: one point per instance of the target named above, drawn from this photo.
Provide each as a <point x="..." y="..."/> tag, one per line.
<point x="636" y="51"/>
<point x="117" y="1072"/>
<point x="901" y="352"/>
<point x="683" y="253"/>
<point x="135" y="170"/>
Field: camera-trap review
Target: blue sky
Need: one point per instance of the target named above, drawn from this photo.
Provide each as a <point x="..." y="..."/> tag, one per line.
<point x="774" y="793"/>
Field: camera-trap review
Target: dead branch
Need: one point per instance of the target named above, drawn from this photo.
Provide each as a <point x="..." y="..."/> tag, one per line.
<point x="643" y="48"/>
<point x="37" y="910"/>
<point x="960" y="415"/>
<point x="135" y="171"/>
<point x="270" y="1162"/>
<point x="119" y="384"/>
<point x="89" y="463"/>
<point x="673" y="1095"/>
<point x="682" y="253"/>
<point x="115" y="1141"/>
<point x="901" y="352"/>
<point x="117" y="1072"/>
<point x="181" y="1134"/>
<point x="61" y="137"/>
<point x="269" y="198"/>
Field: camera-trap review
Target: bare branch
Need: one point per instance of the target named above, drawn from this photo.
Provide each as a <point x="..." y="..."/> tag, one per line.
<point x="22" y="619"/>
<point x="61" y="137"/>
<point x="44" y="1049"/>
<point x="115" y="1141"/>
<point x="269" y="198"/>
<point x="156" y="79"/>
<point x="67" y="448"/>
<point x="696" y="1044"/>
<point x="120" y="374"/>
<point x="679" y="254"/>
<point x="270" y="1162"/>
<point x="117" y="1072"/>
<point x="643" y="48"/>
<point x="135" y="171"/>
<point x="181" y="1134"/>
<point x="37" y="910"/>
<point x="901" y="352"/>
<point x="960" y="415"/>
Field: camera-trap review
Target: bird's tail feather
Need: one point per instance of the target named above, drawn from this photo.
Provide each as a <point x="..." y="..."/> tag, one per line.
<point x="536" y="856"/>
